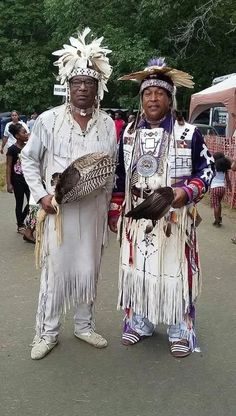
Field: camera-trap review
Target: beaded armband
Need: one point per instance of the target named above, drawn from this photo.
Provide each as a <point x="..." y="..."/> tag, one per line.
<point x="195" y="190"/>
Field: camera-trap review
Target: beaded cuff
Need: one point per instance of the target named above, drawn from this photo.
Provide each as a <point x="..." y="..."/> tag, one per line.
<point x="195" y="190"/>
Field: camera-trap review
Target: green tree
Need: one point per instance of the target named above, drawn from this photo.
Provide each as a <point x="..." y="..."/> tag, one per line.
<point x="196" y="36"/>
<point x="26" y="79"/>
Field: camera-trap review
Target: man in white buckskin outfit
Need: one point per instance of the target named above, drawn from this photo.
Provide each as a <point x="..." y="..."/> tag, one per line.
<point x="70" y="270"/>
<point x="159" y="277"/>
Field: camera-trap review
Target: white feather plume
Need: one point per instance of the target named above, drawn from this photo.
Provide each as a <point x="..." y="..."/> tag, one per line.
<point x="81" y="55"/>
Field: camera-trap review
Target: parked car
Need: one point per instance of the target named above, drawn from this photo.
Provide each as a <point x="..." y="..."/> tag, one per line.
<point x="207" y="130"/>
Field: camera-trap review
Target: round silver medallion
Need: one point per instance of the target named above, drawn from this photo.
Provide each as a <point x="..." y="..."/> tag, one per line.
<point x="147" y="165"/>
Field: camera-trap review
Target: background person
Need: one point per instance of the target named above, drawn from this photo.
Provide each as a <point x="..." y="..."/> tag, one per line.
<point x="218" y="184"/>
<point x="131" y="118"/>
<point x="14" y="175"/>
<point x="8" y="139"/>
<point x="119" y="123"/>
<point x="31" y="221"/>
<point x="30" y="123"/>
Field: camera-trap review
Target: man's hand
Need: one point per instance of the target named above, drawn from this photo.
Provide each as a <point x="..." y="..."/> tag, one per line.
<point x="180" y="198"/>
<point x="112" y="222"/>
<point x="47" y="204"/>
<point x="2" y="151"/>
<point x="9" y="188"/>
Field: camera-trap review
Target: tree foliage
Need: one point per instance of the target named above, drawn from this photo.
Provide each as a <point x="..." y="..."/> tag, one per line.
<point x="26" y="79"/>
<point x="196" y="36"/>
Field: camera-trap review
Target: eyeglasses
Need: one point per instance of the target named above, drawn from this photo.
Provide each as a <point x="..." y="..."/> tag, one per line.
<point x="89" y="83"/>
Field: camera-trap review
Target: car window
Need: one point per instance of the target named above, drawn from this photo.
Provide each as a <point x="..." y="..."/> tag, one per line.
<point x="210" y="132"/>
<point x="207" y="130"/>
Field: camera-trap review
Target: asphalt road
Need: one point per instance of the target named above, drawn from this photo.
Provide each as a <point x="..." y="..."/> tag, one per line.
<point x="144" y="380"/>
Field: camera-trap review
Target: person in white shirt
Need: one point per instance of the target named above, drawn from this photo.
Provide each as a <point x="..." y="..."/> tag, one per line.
<point x="218" y="185"/>
<point x="8" y="138"/>
<point x="30" y="123"/>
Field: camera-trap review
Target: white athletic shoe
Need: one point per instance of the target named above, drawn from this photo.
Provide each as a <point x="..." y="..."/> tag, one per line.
<point x="41" y="348"/>
<point x="92" y="338"/>
<point x="35" y="340"/>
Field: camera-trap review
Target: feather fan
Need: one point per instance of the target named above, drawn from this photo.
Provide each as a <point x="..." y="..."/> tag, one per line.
<point x="85" y="175"/>
<point x="155" y="206"/>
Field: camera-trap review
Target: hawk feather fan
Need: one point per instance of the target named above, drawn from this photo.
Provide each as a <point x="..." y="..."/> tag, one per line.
<point x="85" y="175"/>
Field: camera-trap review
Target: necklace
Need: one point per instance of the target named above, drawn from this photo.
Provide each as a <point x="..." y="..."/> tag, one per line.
<point x="149" y="163"/>
<point x="82" y="111"/>
<point x="156" y="123"/>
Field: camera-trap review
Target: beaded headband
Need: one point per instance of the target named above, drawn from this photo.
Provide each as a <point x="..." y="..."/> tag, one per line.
<point x="156" y="83"/>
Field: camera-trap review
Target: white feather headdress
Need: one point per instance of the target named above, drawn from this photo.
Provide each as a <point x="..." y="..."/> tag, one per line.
<point x="80" y="58"/>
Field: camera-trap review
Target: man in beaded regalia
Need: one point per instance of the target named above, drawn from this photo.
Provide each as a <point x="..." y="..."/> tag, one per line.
<point x="70" y="270"/>
<point x="159" y="277"/>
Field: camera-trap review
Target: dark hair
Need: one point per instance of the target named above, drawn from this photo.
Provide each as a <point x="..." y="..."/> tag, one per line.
<point x="222" y="164"/>
<point x="179" y="117"/>
<point x="218" y="155"/>
<point x="15" y="129"/>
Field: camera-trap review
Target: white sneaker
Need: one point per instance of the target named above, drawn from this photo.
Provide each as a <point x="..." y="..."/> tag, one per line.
<point x="35" y="340"/>
<point x="41" y="348"/>
<point x="92" y="338"/>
